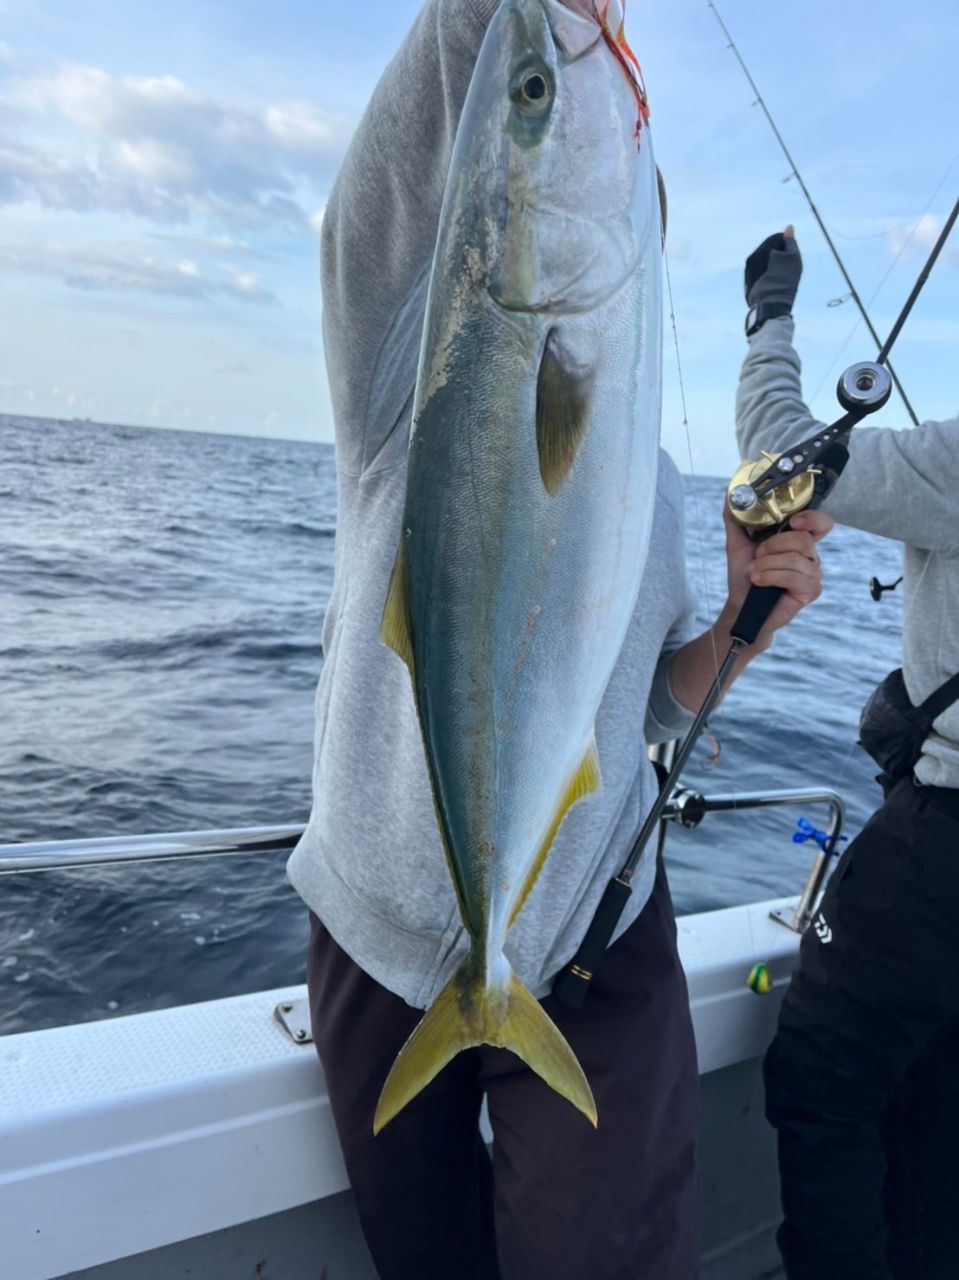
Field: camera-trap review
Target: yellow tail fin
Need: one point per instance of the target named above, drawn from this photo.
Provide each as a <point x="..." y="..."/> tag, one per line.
<point x="455" y="1022"/>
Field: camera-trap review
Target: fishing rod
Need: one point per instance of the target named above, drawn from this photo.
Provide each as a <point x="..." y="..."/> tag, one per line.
<point x="853" y="291"/>
<point x="762" y="497"/>
<point x="917" y="288"/>
<point x="876" y="588"/>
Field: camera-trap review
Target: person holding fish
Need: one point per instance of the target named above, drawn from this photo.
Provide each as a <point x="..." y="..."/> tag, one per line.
<point x="509" y="627"/>
<point x="862" y="1080"/>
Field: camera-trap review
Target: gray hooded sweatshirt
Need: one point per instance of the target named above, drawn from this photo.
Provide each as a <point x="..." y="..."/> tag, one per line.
<point x="370" y="863"/>
<point x="899" y="484"/>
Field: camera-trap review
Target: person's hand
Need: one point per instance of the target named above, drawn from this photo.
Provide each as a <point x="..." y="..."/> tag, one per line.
<point x="773" y="271"/>
<point x="789" y="560"/>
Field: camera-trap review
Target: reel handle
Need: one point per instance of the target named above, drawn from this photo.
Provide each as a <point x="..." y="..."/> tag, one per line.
<point x="864" y="388"/>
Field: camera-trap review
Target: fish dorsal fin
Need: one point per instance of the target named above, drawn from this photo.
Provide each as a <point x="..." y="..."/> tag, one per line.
<point x="395" y="627"/>
<point x="562" y="412"/>
<point x="584" y="781"/>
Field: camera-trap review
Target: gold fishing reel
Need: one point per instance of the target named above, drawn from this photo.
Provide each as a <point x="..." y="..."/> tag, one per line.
<point x="757" y="514"/>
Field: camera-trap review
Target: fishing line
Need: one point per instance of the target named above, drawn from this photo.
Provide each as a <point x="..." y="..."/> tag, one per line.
<point x="761" y="102"/>
<point x="902" y="249"/>
<point x="689" y="447"/>
<point x="872" y="235"/>
<point x="700" y="526"/>
<point x="883" y="356"/>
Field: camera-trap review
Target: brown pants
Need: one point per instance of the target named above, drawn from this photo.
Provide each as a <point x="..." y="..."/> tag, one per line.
<point x="558" y="1200"/>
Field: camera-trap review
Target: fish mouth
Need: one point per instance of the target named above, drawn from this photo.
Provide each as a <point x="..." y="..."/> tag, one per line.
<point x="610" y="14"/>
<point x="569" y="18"/>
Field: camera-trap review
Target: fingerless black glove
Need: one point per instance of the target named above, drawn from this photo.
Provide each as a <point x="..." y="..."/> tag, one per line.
<point x="773" y="272"/>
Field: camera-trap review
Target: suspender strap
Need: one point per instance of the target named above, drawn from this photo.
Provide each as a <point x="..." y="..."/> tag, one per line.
<point x="942" y="699"/>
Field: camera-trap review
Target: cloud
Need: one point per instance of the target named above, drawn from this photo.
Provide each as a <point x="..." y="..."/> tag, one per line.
<point x="302" y="128"/>
<point x="166" y="153"/>
<point x="156" y="162"/>
<point x="921" y="237"/>
<point x="115" y="269"/>
<point x="210" y="244"/>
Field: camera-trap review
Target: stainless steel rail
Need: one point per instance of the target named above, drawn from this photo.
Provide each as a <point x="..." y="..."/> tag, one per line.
<point x="688" y="808"/>
<point x="60" y="855"/>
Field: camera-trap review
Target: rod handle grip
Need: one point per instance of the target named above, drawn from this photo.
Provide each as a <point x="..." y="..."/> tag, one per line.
<point x="572" y="983"/>
<point x="754" y="614"/>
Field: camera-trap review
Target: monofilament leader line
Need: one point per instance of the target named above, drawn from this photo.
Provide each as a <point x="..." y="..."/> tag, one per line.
<point x="854" y="293"/>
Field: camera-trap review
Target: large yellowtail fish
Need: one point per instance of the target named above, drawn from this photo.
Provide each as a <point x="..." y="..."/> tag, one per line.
<point x="531" y="485"/>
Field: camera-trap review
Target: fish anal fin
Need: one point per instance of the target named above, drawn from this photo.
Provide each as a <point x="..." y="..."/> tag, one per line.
<point x="465" y="1014"/>
<point x="395" y="626"/>
<point x="584" y="781"/>
<point x="563" y="394"/>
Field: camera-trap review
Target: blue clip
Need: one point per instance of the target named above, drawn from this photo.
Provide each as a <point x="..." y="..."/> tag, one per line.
<point x="806" y="831"/>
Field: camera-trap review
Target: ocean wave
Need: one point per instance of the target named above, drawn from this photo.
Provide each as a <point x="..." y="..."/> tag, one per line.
<point x="162" y="644"/>
<point x="288" y="529"/>
<point x="166" y="647"/>
<point x="277" y="650"/>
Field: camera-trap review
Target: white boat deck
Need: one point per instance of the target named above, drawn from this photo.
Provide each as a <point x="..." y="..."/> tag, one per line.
<point x="133" y="1135"/>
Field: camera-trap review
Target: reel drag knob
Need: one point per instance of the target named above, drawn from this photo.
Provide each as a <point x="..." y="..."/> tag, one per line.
<point x="864" y="388"/>
<point x="761" y="516"/>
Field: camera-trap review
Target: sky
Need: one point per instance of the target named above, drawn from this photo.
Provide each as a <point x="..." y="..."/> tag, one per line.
<point x="164" y="168"/>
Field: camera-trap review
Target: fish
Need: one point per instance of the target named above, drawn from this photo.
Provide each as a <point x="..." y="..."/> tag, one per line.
<point x="531" y="483"/>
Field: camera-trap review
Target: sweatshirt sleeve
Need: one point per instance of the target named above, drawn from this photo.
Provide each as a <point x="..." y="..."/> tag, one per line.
<point x="381" y="221"/>
<point x="666" y="717"/>
<point x="899" y="484"/>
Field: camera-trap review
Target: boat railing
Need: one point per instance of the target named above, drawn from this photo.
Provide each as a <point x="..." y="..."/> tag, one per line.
<point x="68" y="855"/>
<point x="687" y="808"/>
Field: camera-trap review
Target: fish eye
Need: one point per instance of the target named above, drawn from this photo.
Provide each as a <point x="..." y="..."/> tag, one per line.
<point x="532" y="90"/>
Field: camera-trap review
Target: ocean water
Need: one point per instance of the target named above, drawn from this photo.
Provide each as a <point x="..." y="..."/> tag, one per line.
<point x="161" y="599"/>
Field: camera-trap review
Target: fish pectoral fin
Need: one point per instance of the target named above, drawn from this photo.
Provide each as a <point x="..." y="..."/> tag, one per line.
<point x="584" y="781"/>
<point x="563" y="394"/>
<point x="531" y="1035"/>
<point x="455" y="1021"/>
<point x="395" y="627"/>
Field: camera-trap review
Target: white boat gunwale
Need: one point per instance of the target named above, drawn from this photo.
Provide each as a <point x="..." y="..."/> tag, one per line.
<point x="108" y="1128"/>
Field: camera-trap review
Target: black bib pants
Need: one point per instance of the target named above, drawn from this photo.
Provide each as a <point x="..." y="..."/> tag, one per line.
<point x="862" y="1080"/>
